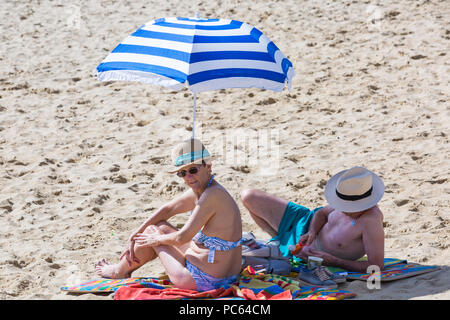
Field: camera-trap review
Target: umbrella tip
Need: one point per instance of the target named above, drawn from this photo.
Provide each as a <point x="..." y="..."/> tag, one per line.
<point x="197" y="15"/>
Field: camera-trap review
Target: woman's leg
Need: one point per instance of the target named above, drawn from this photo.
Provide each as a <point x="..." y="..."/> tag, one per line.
<point x="266" y="210"/>
<point x="174" y="263"/>
<point x="143" y="254"/>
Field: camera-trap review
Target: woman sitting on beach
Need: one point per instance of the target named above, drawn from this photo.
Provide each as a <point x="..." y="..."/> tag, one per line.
<point x="206" y="252"/>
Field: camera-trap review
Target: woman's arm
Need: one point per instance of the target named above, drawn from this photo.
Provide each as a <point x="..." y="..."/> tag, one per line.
<point x="202" y="212"/>
<point x="184" y="203"/>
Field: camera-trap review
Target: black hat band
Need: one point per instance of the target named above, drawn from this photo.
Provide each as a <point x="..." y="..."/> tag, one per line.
<point x="356" y="197"/>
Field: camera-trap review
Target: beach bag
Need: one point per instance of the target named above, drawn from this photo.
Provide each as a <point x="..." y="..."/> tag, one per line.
<point x="264" y="255"/>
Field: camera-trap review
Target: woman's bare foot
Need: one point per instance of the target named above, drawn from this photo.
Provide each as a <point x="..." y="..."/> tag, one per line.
<point x="110" y="271"/>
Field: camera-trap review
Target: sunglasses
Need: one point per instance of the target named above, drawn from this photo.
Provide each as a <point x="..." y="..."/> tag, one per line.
<point x="192" y="170"/>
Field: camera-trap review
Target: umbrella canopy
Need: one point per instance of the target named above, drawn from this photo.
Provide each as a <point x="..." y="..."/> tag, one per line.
<point x="202" y="54"/>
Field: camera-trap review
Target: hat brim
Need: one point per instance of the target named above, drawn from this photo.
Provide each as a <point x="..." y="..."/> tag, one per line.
<point x="198" y="161"/>
<point x="353" y="206"/>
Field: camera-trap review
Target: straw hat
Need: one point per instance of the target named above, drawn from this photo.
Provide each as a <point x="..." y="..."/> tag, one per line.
<point x="354" y="190"/>
<point x="191" y="151"/>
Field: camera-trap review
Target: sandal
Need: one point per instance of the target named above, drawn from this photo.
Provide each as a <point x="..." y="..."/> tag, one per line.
<point x="267" y="265"/>
<point x="252" y="247"/>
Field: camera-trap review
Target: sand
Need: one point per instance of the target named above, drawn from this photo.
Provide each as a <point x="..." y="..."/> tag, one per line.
<point x="82" y="162"/>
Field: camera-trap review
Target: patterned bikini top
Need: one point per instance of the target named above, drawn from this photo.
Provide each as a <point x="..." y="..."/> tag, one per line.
<point x="214" y="243"/>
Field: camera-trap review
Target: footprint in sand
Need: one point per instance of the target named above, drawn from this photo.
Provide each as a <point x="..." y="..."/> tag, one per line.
<point x="400" y="203"/>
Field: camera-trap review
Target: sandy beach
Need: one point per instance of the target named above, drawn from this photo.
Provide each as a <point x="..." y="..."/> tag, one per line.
<point x="82" y="162"/>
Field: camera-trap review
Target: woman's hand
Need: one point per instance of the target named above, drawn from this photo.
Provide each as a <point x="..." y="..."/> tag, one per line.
<point x="148" y="240"/>
<point x="129" y="255"/>
<point x="152" y="238"/>
<point x="129" y="252"/>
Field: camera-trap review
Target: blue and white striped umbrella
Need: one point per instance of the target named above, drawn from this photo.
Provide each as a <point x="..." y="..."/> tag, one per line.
<point x="202" y="54"/>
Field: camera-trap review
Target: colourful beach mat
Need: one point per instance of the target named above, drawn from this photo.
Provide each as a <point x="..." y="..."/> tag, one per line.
<point x="394" y="272"/>
<point x="251" y="286"/>
<point x="394" y="269"/>
<point x="108" y="285"/>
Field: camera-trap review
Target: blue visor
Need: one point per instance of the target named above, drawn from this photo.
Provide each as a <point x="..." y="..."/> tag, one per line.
<point x="187" y="158"/>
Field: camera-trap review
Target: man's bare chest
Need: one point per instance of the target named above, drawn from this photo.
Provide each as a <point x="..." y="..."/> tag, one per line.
<point x="342" y="229"/>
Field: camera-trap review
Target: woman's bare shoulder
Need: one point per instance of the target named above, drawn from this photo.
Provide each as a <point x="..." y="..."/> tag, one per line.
<point x="215" y="192"/>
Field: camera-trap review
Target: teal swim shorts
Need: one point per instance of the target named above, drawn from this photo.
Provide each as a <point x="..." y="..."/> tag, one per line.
<point x="295" y="223"/>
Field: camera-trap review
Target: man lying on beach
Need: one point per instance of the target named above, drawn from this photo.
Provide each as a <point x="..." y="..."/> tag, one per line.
<point x="206" y="252"/>
<point x="349" y="227"/>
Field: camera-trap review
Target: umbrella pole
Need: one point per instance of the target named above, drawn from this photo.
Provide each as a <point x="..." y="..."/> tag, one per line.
<point x="193" y="118"/>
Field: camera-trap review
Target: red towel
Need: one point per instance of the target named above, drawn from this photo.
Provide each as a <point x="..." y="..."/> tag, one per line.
<point x="249" y="294"/>
<point x="139" y="292"/>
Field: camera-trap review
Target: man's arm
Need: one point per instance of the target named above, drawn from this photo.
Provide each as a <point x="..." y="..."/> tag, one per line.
<point x="317" y="222"/>
<point x="355" y="266"/>
<point x="373" y="241"/>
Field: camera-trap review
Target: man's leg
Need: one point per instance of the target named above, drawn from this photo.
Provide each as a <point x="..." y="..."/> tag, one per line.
<point x="267" y="210"/>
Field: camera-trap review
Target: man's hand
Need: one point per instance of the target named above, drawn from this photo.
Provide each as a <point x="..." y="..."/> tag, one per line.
<point x="308" y="238"/>
<point x="328" y="259"/>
